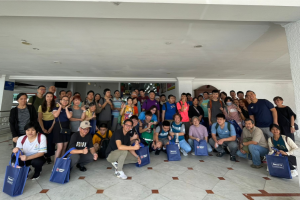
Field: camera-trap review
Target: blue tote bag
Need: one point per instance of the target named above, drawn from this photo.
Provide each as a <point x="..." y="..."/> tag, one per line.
<point x="15" y="178"/>
<point x="173" y="152"/>
<point x="237" y="128"/>
<point x="279" y="165"/>
<point x="200" y="148"/>
<point x="61" y="169"/>
<point x="144" y="155"/>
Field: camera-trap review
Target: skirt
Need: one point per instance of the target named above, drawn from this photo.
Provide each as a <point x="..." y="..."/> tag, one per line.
<point x="57" y="136"/>
<point x="49" y="136"/>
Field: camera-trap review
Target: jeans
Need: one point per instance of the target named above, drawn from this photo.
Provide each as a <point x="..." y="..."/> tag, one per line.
<point x="233" y="147"/>
<point x="256" y="152"/>
<point x="36" y="163"/>
<point x="185" y="146"/>
<point x="191" y="142"/>
<point x="266" y="131"/>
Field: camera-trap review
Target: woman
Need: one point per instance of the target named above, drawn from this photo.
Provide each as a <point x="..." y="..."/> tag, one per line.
<point x="243" y="109"/>
<point x="97" y="98"/>
<point x="178" y="129"/>
<point x="153" y="110"/>
<point x="32" y="156"/>
<point x="46" y="121"/>
<point x="62" y="115"/>
<point x="78" y="114"/>
<point x="285" y="145"/>
<point x="90" y="116"/>
<point x="135" y="104"/>
<point x="21" y="115"/>
<point x="231" y="112"/>
<point x="200" y="100"/>
<point x="223" y="95"/>
<point x="127" y="110"/>
<point x="196" y="110"/>
<point x="236" y="102"/>
<point x="286" y="118"/>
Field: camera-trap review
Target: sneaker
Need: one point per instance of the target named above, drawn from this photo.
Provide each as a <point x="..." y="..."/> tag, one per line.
<point x="48" y="160"/>
<point x="115" y="164"/>
<point x="36" y="176"/>
<point x="294" y="173"/>
<point x="81" y="168"/>
<point x="116" y="172"/>
<point x="28" y="172"/>
<point x="193" y="153"/>
<point x="183" y="152"/>
<point x="232" y="158"/>
<point x="220" y="154"/>
<point x="264" y="159"/>
<point x="256" y="166"/>
<point x="157" y="152"/>
<point x="120" y="174"/>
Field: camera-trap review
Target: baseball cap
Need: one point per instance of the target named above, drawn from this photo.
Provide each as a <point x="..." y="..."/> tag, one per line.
<point x="85" y="124"/>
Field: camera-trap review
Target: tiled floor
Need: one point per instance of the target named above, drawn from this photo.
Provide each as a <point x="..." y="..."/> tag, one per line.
<point x="193" y="177"/>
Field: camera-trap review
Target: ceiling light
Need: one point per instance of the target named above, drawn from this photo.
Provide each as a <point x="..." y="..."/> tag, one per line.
<point x="36" y="49"/>
<point x="168" y="73"/>
<point x="89" y="83"/>
<point x="57" y="62"/>
<point x="26" y="43"/>
<point x="168" y="43"/>
<point x="116" y="3"/>
<point x="198" y="46"/>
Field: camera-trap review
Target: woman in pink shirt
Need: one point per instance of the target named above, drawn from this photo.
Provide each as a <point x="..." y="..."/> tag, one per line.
<point x="231" y="112"/>
<point x="183" y="110"/>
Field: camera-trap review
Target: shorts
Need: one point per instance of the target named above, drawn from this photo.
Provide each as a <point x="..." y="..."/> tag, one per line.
<point x="164" y="141"/>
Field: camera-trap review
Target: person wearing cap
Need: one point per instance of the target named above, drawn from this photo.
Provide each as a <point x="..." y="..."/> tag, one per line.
<point x="85" y="151"/>
<point x="39" y="98"/>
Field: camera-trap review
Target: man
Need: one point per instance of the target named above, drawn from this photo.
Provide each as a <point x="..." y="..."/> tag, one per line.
<point x="103" y="133"/>
<point x="142" y="97"/>
<point x="120" y="151"/>
<point x="262" y="112"/>
<point x="137" y="92"/>
<point x="69" y="93"/>
<point x="213" y="107"/>
<point x="240" y="95"/>
<point x="146" y="128"/>
<point x="233" y="95"/>
<point x="39" y="98"/>
<point x="205" y="110"/>
<point x="161" y="134"/>
<point x="117" y="102"/>
<point x="183" y="110"/>
<point x="223" y="135"/>
<point x="253" y="144"/>
<point x="169" y="109"/>
<point x="107" y="107"/>
<point x="82" y="141"/>
<point x="53" y="90"/>
<point x="150" y="102"/>
<point x="162" y="101"/>
<point x="90" y="99"/>
<point x="62" y="93"/>
<point x="189" y="99"/>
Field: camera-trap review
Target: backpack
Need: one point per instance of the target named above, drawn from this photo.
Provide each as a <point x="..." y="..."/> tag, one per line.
<point x="33" y="99"/>
<point x="237" y="128"/>
<point x="25" y="137"/>
<point x="165" y="104"/>
<point x="103" y="144"/>
<point x="210" y="103"/>
<point x="228" y="126"/>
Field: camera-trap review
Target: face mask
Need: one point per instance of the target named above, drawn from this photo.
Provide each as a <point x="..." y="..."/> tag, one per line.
<point x="229" y="103"/>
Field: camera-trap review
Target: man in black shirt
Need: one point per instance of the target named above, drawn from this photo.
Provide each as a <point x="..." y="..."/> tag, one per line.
<point x="82" y="141"/>
<point x="119" y="150"/>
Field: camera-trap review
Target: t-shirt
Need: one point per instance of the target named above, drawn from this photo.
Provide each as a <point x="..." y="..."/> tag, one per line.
<point x="105" y="114"/>
<point x="185" y="113"/>
<point x="97" y="139"/>
<point x="190" y="103"/>
<point x="63" y="115"/>
<point x="147" y="104"/>
<point x="75" y="124"/>
<point x="261" y="110"/>
<point x="257" y="135"/>
<point x="81" y="142"/>
<point x="31" y="148"/>
<point x="142" y="99"/>
<point x="216" y="105"/>
<point x="170" y="110"/>
<point x="127" y="113"/>
<point x="47" y="116"/>
<point x="142" y="117"/>
<point x="204" y="107"/>
<point x="280" y="145"/>
<point x="148" y="134"/>
<point x="163" y="133"/>
<point x="89" y="113"/>
<point x="23" y="119"/>
<point x="38" y="101"/>
<point x="198" y="132"/>
<point x="195" y="111"/>
<point x="118" y="135"/>
<point x="223" y="133"/>
<point x="117" y="104"/>
<point x="177" y="128"/>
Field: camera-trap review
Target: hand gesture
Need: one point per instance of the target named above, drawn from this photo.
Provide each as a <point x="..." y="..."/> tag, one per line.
<point x="94" y="115"/>
<point x="149" y="125"/>
<point x="123" y="105"/>
<point x="83" y="108"/>
<point x="15" y="139"/>
<point x="95" y="156"/>
<point x="293" y="130"/>
<point x="139" y="160"/>
<point x="220" y="142"/>
<point x="137" y="145"/>
<point x="15" y="150"/>
<point x="170" y="137"/>
<point x="239" y="110"/>
<point x="135" y="137"/>
<point x="198" y="139"/>
<point x="45" y="131"/>
<point x="283" y="153"/>
<point x="23" y="157"/>
<point x="85" y="150"/>
<point x="59" y="105"/>
<point x="221" y="108"/>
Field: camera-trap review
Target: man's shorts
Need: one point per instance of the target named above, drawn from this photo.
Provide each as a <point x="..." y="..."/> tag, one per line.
<point x="164" y="141"/>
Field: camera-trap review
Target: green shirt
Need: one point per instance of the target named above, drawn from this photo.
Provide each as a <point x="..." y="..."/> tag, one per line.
<point x="280" y="145"/>
<point x="148" y="134"/>
<point x="37" y="102"/>
<point x="204" y="107"/>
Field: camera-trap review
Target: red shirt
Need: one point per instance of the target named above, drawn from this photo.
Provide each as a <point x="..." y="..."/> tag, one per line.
<point x="185" y="113"/>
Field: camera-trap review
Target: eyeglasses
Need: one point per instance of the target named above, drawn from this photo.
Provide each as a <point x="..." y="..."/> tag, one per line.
<point x="85" y="129"/>
<point x="128" y="125"/>
<point x="65" y="100"/>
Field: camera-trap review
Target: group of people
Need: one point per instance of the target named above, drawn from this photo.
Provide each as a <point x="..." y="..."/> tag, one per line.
<point x="113" y="128"/>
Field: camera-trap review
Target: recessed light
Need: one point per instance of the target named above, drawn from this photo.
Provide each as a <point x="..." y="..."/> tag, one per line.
<point x="26" y="43"/>
<point x="168" y="73"/>
<point x="89" y="83"/>
<point x="36" y="49"/>
<point x="57" y="62"/>
<point x="198" y="46"/>
<point x="168" y="43"/>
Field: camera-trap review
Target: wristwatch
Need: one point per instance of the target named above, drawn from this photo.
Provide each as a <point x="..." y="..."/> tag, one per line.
<point x="293" y="126"/>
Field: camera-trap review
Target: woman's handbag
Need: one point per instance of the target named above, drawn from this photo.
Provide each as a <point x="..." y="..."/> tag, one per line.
<point x="64" y="130"/>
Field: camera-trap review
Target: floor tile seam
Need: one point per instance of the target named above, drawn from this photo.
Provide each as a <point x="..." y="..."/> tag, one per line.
<point x="155" y="188"/>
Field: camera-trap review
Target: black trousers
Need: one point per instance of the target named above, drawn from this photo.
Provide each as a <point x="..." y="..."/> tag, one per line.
<point x="81" y="159"/>
<point x="36" y="163"/>
<point x="292" y="162"/>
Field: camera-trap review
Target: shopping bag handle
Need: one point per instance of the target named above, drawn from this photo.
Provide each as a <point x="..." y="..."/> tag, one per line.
<point x="17" y="158"/>
<point x="68" y="152"/>
<point x="275" y="150"/>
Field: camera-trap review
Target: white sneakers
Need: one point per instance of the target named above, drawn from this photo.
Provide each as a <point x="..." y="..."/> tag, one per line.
<point x="183" y="152"/>
<point x="120" y="174"/>
<point x="115" y="164"/>
<point x="294" y="173"/>
<point x="193" y="153"/>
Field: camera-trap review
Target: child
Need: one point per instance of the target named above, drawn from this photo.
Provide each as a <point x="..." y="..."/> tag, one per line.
<point x="90" y="116"/>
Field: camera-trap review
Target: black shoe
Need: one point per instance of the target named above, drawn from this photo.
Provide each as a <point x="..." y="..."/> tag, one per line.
<point x="157" y="152"/>
<point x="48" y="160"/>
<point x="36" y="175"/>
<point x="232" y="158"/>
<point x="81" y="168"/>
<point x="28" y="172"/>
<point x="220" y="154"/>
<point x="215" y="151"/>
<point x="226" y="150"/>
<point x="164" y="150"/>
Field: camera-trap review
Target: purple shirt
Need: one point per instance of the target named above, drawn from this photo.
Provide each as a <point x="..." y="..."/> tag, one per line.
<point x="148" y="103"/>
<point x="198" y="132"/>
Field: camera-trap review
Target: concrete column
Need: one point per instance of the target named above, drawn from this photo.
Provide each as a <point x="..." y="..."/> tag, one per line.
<point x="6" y="98"/>
<point x="184" y="85"/>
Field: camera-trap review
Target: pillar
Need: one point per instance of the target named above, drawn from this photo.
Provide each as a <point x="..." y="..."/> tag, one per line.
<point x="6" y="98"/>
<point x="184" y="85"/>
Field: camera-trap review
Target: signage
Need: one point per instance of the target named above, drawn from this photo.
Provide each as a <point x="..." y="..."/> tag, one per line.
<point x="9" y="85"/>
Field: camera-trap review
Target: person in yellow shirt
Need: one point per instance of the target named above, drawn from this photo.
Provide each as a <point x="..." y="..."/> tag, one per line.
<point x="90" y="116"/>
<point x="101" y="140"/>
<point x="127" y="110"/>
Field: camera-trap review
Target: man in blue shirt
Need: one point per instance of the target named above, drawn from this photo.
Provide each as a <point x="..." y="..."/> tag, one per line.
<point x="189" y="97"/>
<point x="117" y="102"/>
<point x="223" y="135"/>
<point x="262" y="112"/>
<point x="169" y="109"/>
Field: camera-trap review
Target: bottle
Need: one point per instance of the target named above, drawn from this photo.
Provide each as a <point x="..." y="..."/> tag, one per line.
<point x="177" y="140"/>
